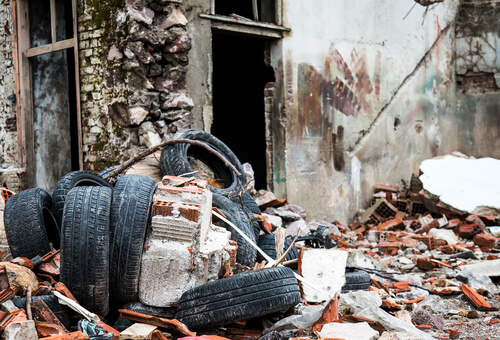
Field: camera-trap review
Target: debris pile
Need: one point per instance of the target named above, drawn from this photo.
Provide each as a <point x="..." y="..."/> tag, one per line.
<point x="197" y="253"/>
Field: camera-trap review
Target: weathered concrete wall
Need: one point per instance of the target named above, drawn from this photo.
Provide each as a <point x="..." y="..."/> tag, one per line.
<point x="366" y="95"/>
<point x="133" y="64"/>
<point x="199" y="78"/>
<point x="478" y="78"/>
<point x="8" y="127"/>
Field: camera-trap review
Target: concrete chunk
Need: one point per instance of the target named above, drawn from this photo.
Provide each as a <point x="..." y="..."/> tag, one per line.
<point x="486" y="268"/>
<point x="138" y="331"/>
<point x="20" y="330"/>
<point x="325" y="269"/>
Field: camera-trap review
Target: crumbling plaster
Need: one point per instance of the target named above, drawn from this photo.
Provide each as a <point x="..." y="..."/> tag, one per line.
<point x="368" y="92"/>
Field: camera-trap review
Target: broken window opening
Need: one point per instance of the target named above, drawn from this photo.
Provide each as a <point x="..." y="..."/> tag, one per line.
<point x="239" y="80"/>
<point x="256" y="10"/>
<point x="49" y="131"/>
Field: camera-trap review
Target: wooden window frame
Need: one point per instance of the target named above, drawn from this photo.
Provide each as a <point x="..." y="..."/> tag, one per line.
<point x="24" y="89"/>
<point x="253" y="27"/>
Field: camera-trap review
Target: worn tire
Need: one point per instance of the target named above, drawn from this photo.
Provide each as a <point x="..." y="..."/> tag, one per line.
<point x="246" y="254"/>
<point x="130" y="217"/>
<point x="63" y="313"/>
<point x="174" y="160"/>
<point x="68" y="182"/>
<point x="30" y="225"/>
<point x="85" y="246"/>
<point x="356" y="280"/>
<point x="239" y="297"/>
<point x="248" y="202"/>
<point x="267" y="243"/>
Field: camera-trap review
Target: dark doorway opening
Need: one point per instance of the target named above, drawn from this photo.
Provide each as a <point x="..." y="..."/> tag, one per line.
<point x="239" y="77"/>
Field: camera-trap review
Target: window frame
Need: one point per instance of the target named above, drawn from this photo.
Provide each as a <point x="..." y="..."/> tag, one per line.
<point x="24" y="91"/>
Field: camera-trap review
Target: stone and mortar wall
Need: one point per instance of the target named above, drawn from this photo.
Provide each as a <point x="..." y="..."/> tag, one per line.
<point x="478" y="78"/>
<point x="133" y="65"/>
<point x="8" y="124"/>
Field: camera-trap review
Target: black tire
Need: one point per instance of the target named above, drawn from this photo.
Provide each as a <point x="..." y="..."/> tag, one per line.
<point x="246" y="254"/>
<point x="267" y="243"/>
<point x="63" y="313"/>
<point x="130" y="217"/>
<point x="356" y="280"/>
<point x="248" y="202"/>
<point x="161" y="312"/>
<point x="30" y="225"/>
<point x="85" y="246"/>
<point x="174" y="160"/>
<point x="239" y="297"/>
<point x="68" y="182"/>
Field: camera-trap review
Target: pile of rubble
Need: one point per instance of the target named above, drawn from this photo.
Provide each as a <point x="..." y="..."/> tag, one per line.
<point x="187" y="262"/>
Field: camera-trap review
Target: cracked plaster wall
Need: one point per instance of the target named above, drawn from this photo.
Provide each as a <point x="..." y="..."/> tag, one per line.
<point x="367" y="94"/>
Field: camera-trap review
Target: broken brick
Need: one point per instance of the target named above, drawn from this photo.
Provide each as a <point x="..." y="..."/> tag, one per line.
<point x="190" y="212"/>
<point x="330" y="314"/>
<point x="485" y="240"/>
<point x="396" y="223"/>
<point x="469" y="230"/>
<point x="426" y="264"/>
<point x="477" y="300"/>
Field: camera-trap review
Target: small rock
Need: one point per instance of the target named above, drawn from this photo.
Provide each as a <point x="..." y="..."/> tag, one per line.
<point x="299" y="226"/>
<point x="21" y="278"/>
<point x="423" y="317"/>
<point x="20" y="330"/>
<point x="274" y="221"/>
<point x="114" y="53"/>
<point x="285" y="214"/>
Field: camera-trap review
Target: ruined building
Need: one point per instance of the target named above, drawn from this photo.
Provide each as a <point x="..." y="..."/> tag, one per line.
<point x="324" y="98"/>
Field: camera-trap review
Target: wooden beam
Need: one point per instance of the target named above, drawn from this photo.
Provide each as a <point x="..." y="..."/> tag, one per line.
<point x="21" y="155"/>
<point x="248" y="30"/>
<point x="255" y="10"/>
<point x="57" y="46"/>
<point x="77" y="81"/>
<point x="24" y="98"/>
<point x="251" y="23"/>
<point x="53" y="20"/>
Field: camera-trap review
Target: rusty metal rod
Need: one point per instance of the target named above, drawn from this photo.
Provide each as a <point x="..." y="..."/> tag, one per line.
<point x="155" y="148"/>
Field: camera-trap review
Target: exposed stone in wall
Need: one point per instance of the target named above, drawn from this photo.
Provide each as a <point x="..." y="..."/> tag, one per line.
<point x="8" y="125"/>
<point x="477" y="31"/>
<point x="133" y="65"/>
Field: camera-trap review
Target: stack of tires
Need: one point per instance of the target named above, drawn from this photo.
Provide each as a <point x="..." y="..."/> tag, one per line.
<point x="100" y="229"/>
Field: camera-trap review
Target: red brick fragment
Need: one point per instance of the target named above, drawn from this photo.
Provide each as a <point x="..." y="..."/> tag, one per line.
<point x="330" y="314"/>
<point x="469" y="230"/>
<point x="395" y="223"/>
<point x="426" y="264"/>
<point x="485" y="240"/>
<point x="477" y="300"/>
<point x="189" y="211"/>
